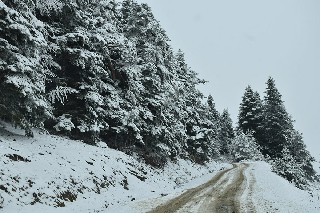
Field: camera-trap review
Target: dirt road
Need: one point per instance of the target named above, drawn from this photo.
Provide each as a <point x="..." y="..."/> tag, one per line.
<point x="228" y="191"/>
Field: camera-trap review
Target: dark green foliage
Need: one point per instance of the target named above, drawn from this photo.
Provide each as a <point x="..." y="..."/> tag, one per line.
<point x="23" y="68"/>
<point x="276" y="122"/>
<point x="295" y="163"/>
<point x="250" y="113"/>
<point x="213" y="113"/>
<point x="226" y="133"/>
<point x="211" y="128"/>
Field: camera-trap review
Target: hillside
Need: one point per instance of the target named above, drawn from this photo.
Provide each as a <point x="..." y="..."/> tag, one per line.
<point x="55" y="174"/>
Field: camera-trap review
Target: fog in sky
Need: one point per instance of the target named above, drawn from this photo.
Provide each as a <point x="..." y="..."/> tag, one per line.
<point x="235" y="43"/>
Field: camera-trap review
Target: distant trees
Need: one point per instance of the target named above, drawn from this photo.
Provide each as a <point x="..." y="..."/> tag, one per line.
<point x="272" y="127"/>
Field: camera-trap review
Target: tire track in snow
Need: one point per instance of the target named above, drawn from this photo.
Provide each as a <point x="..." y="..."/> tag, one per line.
<point x="221" y="194"/>
<point x="246" y="197"/>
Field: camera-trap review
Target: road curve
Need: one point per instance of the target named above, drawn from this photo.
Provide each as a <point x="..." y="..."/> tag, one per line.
<point x="221" y="194"/>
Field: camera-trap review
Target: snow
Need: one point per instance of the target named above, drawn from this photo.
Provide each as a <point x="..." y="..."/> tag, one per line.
<point x="95" y="98"/>
<point x="271" y="193"/>
<point x="64" y="123"/>
<point x="61" y="94"/>
<point x="46" y="6"/>
<point x="21" y="82"/>
<point x="106" y="180"/>
<point x="103" y="179"/>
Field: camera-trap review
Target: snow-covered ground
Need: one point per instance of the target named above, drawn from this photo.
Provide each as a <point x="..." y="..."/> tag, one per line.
<point x="54" y="174"/>
<point x="46" y="173"/>
<point x="272" y="193"/>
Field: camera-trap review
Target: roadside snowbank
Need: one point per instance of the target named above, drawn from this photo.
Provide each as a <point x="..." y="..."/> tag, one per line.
<point x="272" y="193"/>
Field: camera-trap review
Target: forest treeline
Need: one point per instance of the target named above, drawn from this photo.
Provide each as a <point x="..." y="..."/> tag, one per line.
<point x="100" y="70"/>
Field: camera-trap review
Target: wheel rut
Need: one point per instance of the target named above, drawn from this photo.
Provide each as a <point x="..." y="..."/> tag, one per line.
<point x="220" y="194"/>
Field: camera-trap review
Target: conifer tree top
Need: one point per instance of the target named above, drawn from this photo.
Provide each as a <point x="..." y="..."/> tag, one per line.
<point x="273" y="96"/>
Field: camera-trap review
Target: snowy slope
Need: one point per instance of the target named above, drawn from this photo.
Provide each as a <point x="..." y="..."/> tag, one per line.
<point x="272" y="193"/>
<point x="46" y="173"/>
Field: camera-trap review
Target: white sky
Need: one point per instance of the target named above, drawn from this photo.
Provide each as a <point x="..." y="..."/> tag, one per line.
<point x="234" y="43"/>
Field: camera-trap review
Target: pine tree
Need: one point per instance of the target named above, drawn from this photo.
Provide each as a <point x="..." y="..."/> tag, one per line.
<point x="212" y="111"/>
<point x="23" y="68"/>
<point x="258" y="111"/>
<point x="154" y="93"/>
<point x="286" y="166"/>
<point x="282" y="142"/>
<point x="301" y="155"/>
<point x="250" y="114"/>
<point x="244" y="147"/>
<point x="276" y="122"/>
<point x="226" y="132"/>
<point x="210" y="127"/>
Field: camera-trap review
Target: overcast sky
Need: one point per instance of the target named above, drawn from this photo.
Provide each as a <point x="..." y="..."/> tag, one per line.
<point x="234" y="43"/>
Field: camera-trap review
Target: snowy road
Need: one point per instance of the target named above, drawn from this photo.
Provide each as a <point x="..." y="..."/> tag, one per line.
<point x="228" y="191"/>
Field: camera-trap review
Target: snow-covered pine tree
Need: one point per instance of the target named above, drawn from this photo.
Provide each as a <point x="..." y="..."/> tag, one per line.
<point x="190" y="112"/>
<point x="244" y="147"/>
<point x="258" y="133"/>
<point x="23" y="67"/>
<point x="212" y="111"/>
<point x="154" y="93"/>
<point x="302" y="157"/>
<point x="276" y="122"/>
<point x="84" y="68"/>
<point x="250" y="111"/>
<point x="250" y="114"/>
<point x="287" y="167"/>
<point x="226" y="131"/>
<point x="211" y="126"/>
<point x="282" y="142"/>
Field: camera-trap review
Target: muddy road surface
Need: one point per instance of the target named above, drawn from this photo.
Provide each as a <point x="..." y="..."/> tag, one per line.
<point x="226" y="192"/>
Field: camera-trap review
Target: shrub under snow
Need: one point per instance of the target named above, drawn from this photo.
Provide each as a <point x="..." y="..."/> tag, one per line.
<point x="244" y="147"/>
